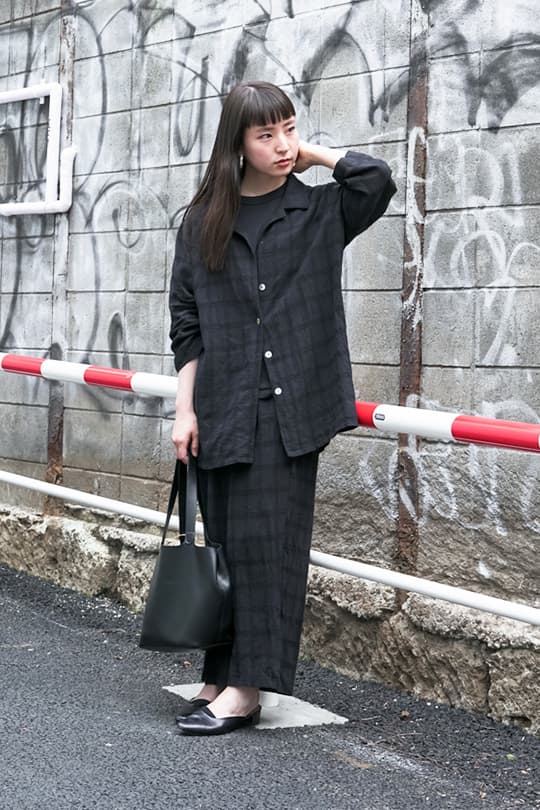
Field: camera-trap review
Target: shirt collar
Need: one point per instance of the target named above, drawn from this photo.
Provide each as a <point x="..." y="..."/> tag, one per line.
<point x="296" y="193"/>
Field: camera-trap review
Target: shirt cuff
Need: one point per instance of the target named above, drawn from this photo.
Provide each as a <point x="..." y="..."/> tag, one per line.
<point x="187" y="353"/>
<point x="350" y="164"/>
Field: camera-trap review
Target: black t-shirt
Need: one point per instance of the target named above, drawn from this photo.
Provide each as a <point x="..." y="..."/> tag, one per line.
<point x="256" y="212"/>
<point x="254" y="215"/>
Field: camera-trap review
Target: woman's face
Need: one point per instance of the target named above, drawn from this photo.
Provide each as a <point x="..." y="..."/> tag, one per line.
<point x="271" y="149"/>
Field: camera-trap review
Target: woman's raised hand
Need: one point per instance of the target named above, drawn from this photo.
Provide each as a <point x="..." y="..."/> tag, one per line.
<point x="304" y="159"/>
<point x="312" y="154"/>
<point x="185" y="435"/>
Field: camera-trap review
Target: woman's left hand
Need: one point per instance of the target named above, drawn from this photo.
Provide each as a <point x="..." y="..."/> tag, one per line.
<point x="313" y="154"/>
<point x="304" y="158"/>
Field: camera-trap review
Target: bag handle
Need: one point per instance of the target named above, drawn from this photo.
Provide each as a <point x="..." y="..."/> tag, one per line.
<point x="190" y="498"/>
<point x="183" y="489"/>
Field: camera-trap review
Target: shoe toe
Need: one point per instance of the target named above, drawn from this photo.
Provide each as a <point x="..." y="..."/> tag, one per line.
<point x="194" y="705"/>
<point x="204" y="722"/>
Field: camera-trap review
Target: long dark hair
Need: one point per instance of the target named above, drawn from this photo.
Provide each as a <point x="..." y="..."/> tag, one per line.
<point x="218" y="198"/>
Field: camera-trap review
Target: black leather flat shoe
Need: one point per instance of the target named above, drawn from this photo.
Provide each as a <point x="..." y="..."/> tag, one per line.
<point x="194" y="704"/>
<point x="203" y="721"/>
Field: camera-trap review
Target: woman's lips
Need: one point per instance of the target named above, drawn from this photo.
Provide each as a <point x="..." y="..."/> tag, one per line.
<point x="284" y="162"/>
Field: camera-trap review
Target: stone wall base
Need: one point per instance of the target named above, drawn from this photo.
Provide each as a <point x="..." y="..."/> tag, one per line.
<point x="430" y="648"/>
<point x="98" y="559"/>
<point x="433" y="649"/>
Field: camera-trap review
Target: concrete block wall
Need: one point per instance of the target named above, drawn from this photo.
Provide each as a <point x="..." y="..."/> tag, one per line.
<point x="143" y="93"/>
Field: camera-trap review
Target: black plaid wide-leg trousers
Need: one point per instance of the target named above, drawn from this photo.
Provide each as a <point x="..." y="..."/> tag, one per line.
<point x="262" y="513"/>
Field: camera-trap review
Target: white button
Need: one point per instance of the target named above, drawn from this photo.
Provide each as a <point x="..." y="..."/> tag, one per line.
<point x="258" y="321"/>
<point x="262" y="287"/>
<point x="277" y="391"/>
<point x="268" y="354"/>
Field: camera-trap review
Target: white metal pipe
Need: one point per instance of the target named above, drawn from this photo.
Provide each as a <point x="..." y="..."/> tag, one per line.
<point x="54" y="91"/>
<point x="437" y="590"/>
<point x="59" y="206"/>
<point x="70" y="372"/>
<point x="24" y="93"/>
<point x="56" y="164"/>
<point x="90" y="500"/>
<point x="39" y="207"/>
<point x="67" y="158"/>
<point x="157" y="385"/>
<point x="140" y="382"/>
<point x="398" y="419"/>
<point x="53" y="143"/>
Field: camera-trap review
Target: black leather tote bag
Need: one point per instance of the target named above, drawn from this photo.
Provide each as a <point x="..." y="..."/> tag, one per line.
<point x="189" y="603"/>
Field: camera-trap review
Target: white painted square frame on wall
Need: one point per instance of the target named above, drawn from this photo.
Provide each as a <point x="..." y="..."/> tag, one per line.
<point x="57" y="165"/>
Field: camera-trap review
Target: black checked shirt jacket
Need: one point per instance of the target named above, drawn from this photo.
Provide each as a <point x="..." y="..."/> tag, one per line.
<point x="280" y="304"/>
<point x="277" y="303"/>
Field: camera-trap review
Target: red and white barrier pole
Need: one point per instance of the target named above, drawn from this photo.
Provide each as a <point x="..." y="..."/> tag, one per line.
<point x="157" y="385"/>
<point x="390" y="418"/>
<point x="387" y="418"/>
<point x="449" y="426"/>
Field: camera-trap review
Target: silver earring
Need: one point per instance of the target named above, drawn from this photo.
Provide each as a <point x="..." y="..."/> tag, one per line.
<point x="241" y="162"/>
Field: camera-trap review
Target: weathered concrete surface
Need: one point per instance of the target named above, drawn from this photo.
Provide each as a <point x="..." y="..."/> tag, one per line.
<point x="156" y="72"/>
<point x="479" y="525"/>
<point x="66" y="552"/>
<point x="514" y="692"/>
<point x="135" y="564"/>
<point x="87" y="723"/>
<point x="440" y="651"/>
<point x="355" y="502"/>
<point x="429" y="648"/>
<point x="443" y="669"/>
<point x="342" y="620"/>
<point x="88" y="557"/>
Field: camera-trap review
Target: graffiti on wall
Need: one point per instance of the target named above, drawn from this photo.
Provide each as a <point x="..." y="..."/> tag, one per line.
<point x="507" y="73"/>
<point x="157" y="72"/>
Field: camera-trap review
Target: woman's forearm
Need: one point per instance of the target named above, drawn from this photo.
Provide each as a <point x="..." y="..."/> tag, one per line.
<point x="185" y="432"/>
<point x="310" y="154"/>
<point x="186" y="387"/>
<point x="325" y="155"/>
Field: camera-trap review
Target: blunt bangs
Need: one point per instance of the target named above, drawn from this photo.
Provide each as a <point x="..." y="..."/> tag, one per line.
<point x="248" y="104"/>
<point x="264" y="104"/>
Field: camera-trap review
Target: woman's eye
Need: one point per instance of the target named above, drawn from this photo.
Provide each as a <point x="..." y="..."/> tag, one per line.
<point x="292" y="128"/>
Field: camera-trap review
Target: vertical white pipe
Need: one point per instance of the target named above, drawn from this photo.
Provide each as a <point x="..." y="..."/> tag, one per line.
<point x="53" y="142"/>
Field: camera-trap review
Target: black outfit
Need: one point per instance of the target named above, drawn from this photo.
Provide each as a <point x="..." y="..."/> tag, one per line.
<point x="285" y="299"/>
<point x="263" y="514"/>
<point x="276" y="308"/>
<point x="254" y="215"/>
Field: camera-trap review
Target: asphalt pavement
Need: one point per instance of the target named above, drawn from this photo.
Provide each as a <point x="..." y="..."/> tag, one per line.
<point x="86" y="723"/>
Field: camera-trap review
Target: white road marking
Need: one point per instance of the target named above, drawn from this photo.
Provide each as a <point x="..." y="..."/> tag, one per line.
<point x="285" y="712"/>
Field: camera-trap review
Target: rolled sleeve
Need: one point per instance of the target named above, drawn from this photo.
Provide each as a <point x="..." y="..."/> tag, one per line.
<point x="366" y="189"/>
<point x="185" y="333"/>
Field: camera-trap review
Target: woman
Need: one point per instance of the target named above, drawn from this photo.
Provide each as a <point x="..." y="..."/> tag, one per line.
<point x="264" y="376"/>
